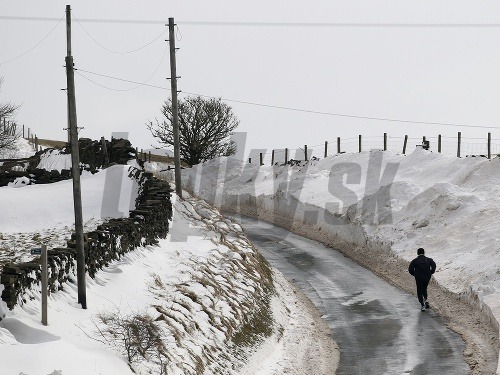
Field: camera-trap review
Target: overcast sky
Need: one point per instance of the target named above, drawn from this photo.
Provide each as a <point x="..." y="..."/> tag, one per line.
<point x="429" y="74"/>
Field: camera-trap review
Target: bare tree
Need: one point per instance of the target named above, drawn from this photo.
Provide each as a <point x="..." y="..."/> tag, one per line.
<point x="8" y="135"/>
<point x="204" y="128"/>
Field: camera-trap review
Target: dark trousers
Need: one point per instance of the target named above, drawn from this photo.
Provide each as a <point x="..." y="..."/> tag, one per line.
<point x="422" y="289"/>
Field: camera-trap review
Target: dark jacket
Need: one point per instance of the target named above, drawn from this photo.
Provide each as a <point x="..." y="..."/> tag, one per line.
<point x="422" y="267"/>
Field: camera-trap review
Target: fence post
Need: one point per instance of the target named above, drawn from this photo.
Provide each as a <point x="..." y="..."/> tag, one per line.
<point x="261" y="159"/>
<point x="459" y="143"/>
<point x="326" y="149"/>
<point x="286" y="155"/>
<point x="404" y="144"/>
<point x="23" y="130"/>
<point x="272" y="158"/>
<point x="36" y="143"/>
<point x="305" y="152"/>
<point x="489" y="145"/>
<point x="439" y="143"/>
<point x="385" y="141"/>
<point x="359" y="143"/>
<point x="249" y="160"/>
<point x="338" y="145"/>
<point x="149" y="156"/>
<point x="45" y="284"/>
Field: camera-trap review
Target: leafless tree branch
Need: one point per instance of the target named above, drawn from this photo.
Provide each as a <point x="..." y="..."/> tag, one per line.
<point x="205" y="126"/>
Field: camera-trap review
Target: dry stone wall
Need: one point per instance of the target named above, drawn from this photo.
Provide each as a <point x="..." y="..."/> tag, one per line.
<point x="148" y="222"/>
<point x="92" y="158"/>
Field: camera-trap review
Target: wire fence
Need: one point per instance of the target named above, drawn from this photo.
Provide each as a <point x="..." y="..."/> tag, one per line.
<point x="450" y="145"/>
<point x="12" y="129"/>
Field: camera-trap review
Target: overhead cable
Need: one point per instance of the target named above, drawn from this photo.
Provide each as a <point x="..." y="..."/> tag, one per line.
<point x="36" y="45"/>
<point x="269" y="24"/>
<point x="113" y="51"/>
<point x="305" y="110"/>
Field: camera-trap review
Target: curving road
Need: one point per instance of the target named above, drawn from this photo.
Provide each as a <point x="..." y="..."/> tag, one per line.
<point x="379" y="328"/>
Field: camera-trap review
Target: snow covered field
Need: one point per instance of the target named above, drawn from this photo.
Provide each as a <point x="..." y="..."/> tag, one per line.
<point x="381" y="203"/>
<point x="202" y="301"/>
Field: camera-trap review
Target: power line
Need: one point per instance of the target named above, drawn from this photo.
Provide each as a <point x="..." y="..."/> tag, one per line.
<point x="36" y="45"/>
<point x="138" y="84"/>
<point x="347" y="115"/>
<point x="113" y="51"/>
<point x="267" y="24"/>
<point x="306" y="110"/>
<point x="121" y="79"/>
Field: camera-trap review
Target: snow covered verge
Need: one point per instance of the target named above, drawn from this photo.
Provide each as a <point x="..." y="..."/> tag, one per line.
<point x="201" y="302"/>
<point x="378" y="208"/>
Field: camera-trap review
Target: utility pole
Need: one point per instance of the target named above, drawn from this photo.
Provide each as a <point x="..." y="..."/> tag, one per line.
<point x="75" y="164"/>
<point x="175" y="115"/>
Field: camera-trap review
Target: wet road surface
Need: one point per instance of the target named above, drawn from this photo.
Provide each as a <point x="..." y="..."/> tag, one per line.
<point x="379" y="328"/>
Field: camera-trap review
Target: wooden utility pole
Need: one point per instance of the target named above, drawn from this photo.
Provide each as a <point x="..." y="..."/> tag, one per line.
<point x="326" y="149"/>
<point x="404" y="144"/>
<point x="175" y="109"/>
<point x="75" y="165"/>
<point x="439" y="143"/>
<point x="459" y="143"/>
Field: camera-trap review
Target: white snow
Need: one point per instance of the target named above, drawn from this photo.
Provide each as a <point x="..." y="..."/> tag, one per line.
<point x="198" y="285"/>
<point x="447" y="205"/>
<point x="36" y="207"/>
<point x="21" y="149"/>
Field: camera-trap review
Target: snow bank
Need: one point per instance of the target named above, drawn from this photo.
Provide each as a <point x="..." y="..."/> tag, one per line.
<point x="36" y="207"/>
<point x="21" y="149"/>
<point x="202" y="288"/>
<point x="380" y="200"/>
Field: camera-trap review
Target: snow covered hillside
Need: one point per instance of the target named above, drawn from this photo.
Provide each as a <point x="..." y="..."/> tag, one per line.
<point x="375" y="203"/>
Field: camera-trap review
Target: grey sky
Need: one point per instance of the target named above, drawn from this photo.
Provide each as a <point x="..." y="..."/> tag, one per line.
<point x="430" y="74"/>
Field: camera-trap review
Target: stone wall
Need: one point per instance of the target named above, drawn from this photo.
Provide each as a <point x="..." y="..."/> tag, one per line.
<point x="148" y="222"/>
<point x="92" y="158"/>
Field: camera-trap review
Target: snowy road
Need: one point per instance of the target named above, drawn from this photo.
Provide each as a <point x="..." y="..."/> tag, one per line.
<point x="379" y="329"/>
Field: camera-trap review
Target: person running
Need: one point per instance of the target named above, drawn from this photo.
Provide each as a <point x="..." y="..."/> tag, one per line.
<point x="422" y="269"/>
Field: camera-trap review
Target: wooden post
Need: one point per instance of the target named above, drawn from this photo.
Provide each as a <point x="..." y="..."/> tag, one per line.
<point x="23" y="130"/>
<point x="261" y="157"/>
<point x="175" y="108"/>
<point x="489" y="145"/>
<point x="249" y="160"/>
<point x="439" y="143"/>
<point x="36" y="143"/>
<point x="28" y="134"/>
<point x="326" y="149"/>
<point x="286" y="155"/>
<point x="75" y="162"/>
<point x="149" y="156"/>
<point x="272" y="158"/>
<point x="338" y="145"/>
<point x="45" y="285"/>
<point x="404" y="144"/>
<point x="385" y="141"/>
<point x="305" y="152"/>
<point x="459" y="143"/>
<point x="136" y="152"/>
<point x="142" y="154"/>
<point x="359" y="146"/>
